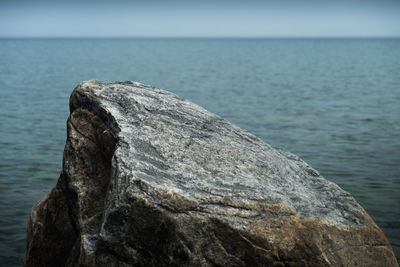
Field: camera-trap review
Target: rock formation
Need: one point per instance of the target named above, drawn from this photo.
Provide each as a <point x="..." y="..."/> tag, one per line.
<point x="150" y="179"/>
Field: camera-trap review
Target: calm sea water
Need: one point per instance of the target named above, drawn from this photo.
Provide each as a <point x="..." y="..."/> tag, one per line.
<point x="335" y="103"/>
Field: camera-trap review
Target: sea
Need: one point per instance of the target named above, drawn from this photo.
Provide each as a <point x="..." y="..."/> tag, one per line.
<point x="333" y="102"/>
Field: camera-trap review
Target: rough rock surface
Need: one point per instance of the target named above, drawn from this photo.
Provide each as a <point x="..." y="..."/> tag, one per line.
<point x="150" y="179"/>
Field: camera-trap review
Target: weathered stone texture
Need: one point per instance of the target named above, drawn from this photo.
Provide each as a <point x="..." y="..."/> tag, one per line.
<point x="150" y="179"/>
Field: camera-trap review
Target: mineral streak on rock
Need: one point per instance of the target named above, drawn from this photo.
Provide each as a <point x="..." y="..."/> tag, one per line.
<point x="150" y="179"/>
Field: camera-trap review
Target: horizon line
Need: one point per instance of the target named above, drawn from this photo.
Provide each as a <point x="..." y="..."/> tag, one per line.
<point x="205" y="37"/>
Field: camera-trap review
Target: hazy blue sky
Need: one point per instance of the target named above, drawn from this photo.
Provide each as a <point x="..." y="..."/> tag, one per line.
<point x="246" y="18"/>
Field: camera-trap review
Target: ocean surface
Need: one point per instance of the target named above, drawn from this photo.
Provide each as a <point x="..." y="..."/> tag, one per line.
<point x="333" y="102"/>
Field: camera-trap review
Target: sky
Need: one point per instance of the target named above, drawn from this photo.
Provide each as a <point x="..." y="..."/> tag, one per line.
<point x="202" y="18"/>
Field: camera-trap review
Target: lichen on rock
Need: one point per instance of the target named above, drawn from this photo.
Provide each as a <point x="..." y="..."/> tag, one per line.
<point x="150" y="179"/>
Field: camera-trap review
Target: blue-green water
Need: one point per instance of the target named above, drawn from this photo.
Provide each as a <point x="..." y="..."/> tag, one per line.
<point x="334" y="102"/>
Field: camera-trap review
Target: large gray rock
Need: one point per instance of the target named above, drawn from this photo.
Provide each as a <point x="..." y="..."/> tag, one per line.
<point x="150" y="179"/>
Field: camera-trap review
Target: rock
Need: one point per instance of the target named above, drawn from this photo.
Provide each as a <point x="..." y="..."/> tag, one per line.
<point x="150" y="179"/>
